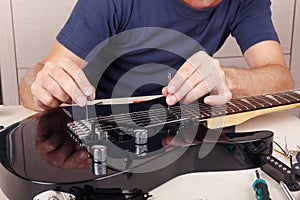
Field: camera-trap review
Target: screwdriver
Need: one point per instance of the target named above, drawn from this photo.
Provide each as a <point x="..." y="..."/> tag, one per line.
<point x="261" y="188"/>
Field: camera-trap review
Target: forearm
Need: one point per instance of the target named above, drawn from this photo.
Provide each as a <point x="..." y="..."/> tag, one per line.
<point x="258" y="80"/>
<point x="25" y="87"/>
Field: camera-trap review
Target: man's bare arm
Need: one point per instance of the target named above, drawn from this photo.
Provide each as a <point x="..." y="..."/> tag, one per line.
<point x="267" y="73"/>
<point x="56" y="79"/>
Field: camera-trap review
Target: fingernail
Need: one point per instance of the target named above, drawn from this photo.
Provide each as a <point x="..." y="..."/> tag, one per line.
<point x="81" y="100"/>
<point x="171" y="100"/>
<point x="171" y="89"/>
<point x="88" y="91"/>
<point x="208" y="100"/>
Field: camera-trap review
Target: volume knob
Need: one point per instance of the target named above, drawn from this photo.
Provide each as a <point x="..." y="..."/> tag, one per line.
<point x="100" y="159"/>
<point x="141" y="139"/>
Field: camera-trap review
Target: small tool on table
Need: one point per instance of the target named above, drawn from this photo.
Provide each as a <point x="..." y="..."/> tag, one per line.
<point x="261" y="188"/>
<point x="286" y="191"/>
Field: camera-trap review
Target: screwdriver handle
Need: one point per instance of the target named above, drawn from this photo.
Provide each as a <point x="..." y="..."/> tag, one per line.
<point x="261" y="189"/>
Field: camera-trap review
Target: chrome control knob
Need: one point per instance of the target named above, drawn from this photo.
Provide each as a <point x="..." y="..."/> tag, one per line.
<point x="141" y="139"/>
<point x="99" y="159"/>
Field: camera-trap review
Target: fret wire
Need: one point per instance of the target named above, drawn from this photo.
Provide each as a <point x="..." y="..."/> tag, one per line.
<point x="208" y="111"/>
<point x="265" y="99"/>
<point x="194" y="115"/>
<point x="187" y="110"/>
<point x="294" y="96"/>
<point x="232" y="110"/>
<point x="297" y="93"/>
<point x="232" y="104"/>
<point x="248" y="102"/>
<point x="272" y="99"/>
<point x="281" y="99"/>
<point x="233" y="107"/>
<point x="260" y="101"/>
<point x="240" y="104"/>
<point x="290" y="97"/>
<point x="200" y="110"/>
<point x="219" y="110"/>
<point x="255" y="103"/>
<point x="276" y="98"/>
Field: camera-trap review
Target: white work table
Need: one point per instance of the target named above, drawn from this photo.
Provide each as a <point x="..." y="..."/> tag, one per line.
<point x="233" y="185"/>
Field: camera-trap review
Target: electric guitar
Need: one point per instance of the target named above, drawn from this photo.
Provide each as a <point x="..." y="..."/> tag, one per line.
<point x="139" y="145"/>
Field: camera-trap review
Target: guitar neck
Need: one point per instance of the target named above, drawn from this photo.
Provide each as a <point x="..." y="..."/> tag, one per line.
<point x="240" y="110"/>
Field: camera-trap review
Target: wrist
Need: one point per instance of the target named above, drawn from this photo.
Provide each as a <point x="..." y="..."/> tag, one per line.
<point x="238" y="81"/>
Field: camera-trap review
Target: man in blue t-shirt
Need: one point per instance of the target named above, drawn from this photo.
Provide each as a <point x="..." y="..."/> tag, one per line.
<point x="128" y="47"/>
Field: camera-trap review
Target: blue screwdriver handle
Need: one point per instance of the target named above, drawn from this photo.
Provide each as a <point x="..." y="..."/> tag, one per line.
<point x="260" y="187"/>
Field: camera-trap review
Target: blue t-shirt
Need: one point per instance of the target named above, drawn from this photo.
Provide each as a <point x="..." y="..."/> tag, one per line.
<point x="131" y="45"/>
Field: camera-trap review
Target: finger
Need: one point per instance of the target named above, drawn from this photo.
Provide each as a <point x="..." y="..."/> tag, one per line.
<point x="184" y="72"/>
<point x="193" y="71"/>
<point x="218" y="99"/>
<point x="53" y="88"/>
<point x="202" y="88"/>
<point x="66" y="82"/>
<point x="78" y="75"/>
<point x="177" y="88"/>
<point x="188" y="68"/>
<point x="189" y="86"/>
<point x="41" y="105"/>
<point x="199" y="91"/>
<point x="164" y="91"/>
<point x="42" y="98"/>
<point x="193" y="88"/>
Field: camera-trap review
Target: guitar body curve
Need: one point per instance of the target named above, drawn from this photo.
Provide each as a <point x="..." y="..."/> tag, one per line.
<point x="25" y="172"/>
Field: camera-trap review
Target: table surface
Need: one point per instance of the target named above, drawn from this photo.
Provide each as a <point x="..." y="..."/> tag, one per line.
<point x="234" y="185"/>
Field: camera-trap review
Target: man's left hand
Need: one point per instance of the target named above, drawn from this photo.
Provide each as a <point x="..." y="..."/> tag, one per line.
<point x="198" y="76"/>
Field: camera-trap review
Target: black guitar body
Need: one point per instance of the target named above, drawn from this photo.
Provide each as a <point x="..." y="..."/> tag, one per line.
<point x="174" y="150"/>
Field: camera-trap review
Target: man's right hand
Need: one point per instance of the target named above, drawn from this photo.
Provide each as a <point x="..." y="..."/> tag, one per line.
<point x="61" y="81"/>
